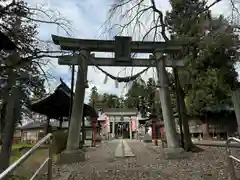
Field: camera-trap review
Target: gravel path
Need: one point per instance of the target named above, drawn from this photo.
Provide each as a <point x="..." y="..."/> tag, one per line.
<point x="149" y="163"/>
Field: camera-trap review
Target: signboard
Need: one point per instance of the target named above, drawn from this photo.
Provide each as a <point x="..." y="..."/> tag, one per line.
<point x="123" y="50"/>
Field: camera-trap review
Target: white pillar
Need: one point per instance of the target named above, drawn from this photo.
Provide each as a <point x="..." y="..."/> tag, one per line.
<point x="113" y="127"/>
<point x="130" y="128"/>
<point x="169" y="124"/>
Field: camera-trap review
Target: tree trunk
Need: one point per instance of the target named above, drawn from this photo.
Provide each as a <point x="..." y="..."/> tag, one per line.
<point x="12" y="116"/>
<point x="2" y="117"/>
<point x="188" y="145"/>
<point x="236" y="105"/>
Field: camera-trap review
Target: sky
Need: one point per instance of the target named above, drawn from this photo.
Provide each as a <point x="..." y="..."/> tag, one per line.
<point x="87" y="17"/>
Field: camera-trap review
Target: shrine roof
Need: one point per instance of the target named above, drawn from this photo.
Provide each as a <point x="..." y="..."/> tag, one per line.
<point x="120" y="111"/>
<point x="39" y="125"/>
<point x="57" y="105"/>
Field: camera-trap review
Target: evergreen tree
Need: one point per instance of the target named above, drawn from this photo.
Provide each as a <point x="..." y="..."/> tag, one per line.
<point x="209" y="74"/>
<point x="137" y="90"/>
<point x="94" y="96"/>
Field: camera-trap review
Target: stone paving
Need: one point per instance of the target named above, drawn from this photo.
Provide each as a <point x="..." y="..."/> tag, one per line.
<point x="148" y="163"/>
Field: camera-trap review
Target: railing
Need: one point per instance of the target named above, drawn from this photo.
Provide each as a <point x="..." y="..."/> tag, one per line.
<point x="23" y="158"/>
<point x="231" y="157"/>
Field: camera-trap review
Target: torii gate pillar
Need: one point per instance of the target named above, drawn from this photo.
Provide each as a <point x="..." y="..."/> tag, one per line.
<point x="169" y="124"/>
<point x="73" y="153"/>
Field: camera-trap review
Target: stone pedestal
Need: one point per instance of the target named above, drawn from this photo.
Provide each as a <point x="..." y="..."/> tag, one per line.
<point x="69" y="157"/>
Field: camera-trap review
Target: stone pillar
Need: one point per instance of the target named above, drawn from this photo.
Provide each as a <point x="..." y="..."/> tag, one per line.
<point x="130" y="128"/>
<point x="78" y="103"/>
<point x="113" y="127"/>
<point x="163" y="82"/>
<point x="73" y="152"/>
<point x="236" y="105"/>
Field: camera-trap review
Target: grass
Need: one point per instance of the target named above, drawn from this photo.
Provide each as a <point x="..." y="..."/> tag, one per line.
<point x="37" y="157"/>
<point x="27" y="169"/>
<point x="17" y="154"/>
<point x="33" y="162"/>
<point x="20" y="145"/>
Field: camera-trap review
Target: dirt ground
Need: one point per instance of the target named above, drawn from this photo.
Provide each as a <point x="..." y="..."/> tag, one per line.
<point x="149" y="163"/>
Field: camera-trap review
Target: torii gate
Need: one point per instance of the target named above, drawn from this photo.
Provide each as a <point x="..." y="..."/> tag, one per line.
<point x="122" y="46"/>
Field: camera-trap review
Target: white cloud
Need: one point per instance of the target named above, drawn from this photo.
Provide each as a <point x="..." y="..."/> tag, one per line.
<point x="87" y="17"/>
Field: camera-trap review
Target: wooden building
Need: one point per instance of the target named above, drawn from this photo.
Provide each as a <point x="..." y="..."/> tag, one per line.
<point x="118" y="122"/>
<point x="33" y="132"/>
<point x="217" y="123"/>
<point x="57" y="106"/>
